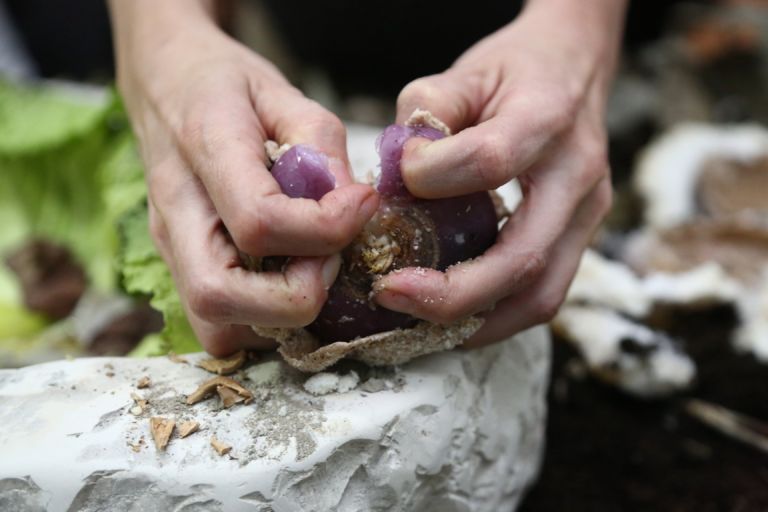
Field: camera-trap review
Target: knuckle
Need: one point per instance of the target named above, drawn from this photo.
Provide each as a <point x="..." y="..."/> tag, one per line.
<point x="320" y="121"/>
<point x="535" y="266"/>
<point x="494" y="161"/>
<point x="335" y="229"/>
<point x="335" y="127"/>
<point x="192" y="128"/>
<point x="207" y="298"/>
<point x="417" y="90"/>
<point x="249" y="230"/>
<point x="156" y="228"/>
<point x="558" y="109"/>
<point x="604" y="198"/>
<point x="546" y="307"/>
<point x="594" y="166"/>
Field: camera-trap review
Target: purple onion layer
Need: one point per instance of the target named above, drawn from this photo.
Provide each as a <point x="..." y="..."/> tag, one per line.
<point x="303" y="172"/>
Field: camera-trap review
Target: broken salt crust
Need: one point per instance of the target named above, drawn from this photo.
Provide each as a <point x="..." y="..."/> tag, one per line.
<point x="702" y="186"/>
<point x="324" y="383"/>
<point x="395" y="448"/>
<point x="604" y="290"/>
<point x="668" y="170"/>
<point x="302" y="351"/>
<point x="624" y="353"/>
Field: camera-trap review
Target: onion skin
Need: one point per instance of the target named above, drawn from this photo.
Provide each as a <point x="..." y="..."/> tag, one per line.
<point x="405" y="232"/>
<point x="303" y="172"/>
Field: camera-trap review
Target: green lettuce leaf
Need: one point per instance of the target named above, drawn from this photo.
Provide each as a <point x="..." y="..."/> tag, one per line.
<point x="70" y="173"/>
<point x="144" y="272"/>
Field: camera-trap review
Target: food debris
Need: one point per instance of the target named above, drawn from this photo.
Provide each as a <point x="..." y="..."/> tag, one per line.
<point x="221" y="448"/>
<point x="143" y="382"/>
<point x="141" y="404"/>
<point x="140" y="400"/>
<point x="110" y="374"/>
<point x="188" y="428"/>
<point x="177" y="358"/>
<point x="228" y="396"/>
<point x="137" y="445"/>
<point x="324" y="383"/>
<point x="161" y="428"/>
<point x="208" y="387"/>
<point x="224" y="366"/>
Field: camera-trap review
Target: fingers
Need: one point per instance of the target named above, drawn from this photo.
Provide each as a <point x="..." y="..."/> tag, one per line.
<point x="488" y="155"/>
<point x="217" y="339"/>
<point x="207" y="269"/>
<point x="221" y="340"/>
<point x="223" y="142"/>
<point x="292" y="118"/>
<point x="455" y="102"/>
<point x="538" y="302"/>
<point x="522" y="254"/>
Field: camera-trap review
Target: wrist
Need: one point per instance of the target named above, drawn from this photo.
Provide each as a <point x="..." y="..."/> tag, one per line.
<point x="586" y="32"/>
<point x="147" y="27"/>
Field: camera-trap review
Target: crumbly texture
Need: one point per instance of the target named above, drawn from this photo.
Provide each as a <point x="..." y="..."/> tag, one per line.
<point x="302" y="351"/>
<point x="275" y="150"/>
<point x="421" y="117"/>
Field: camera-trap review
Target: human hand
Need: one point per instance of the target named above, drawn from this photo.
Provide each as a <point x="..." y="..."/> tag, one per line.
<point x="202" y="106"/>
<point x="529" y="101"/>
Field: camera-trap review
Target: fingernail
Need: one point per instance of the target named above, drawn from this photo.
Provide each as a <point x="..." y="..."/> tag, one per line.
<point x="393" y="300"/>
<point x="330" y="270"/>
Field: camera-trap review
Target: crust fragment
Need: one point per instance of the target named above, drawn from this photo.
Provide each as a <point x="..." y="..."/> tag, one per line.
<point x="302" y="351"/>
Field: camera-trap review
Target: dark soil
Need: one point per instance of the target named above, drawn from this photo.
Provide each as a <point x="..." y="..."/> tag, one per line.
<point x="609" y="452"/>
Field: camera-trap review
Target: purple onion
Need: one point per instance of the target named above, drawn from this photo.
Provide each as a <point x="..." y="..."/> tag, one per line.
<point x="405" y="232"/>
<point x="303" y="172"/>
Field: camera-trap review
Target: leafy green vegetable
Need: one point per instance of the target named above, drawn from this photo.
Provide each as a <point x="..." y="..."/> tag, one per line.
<point x="145" y="272"/>
<point x="17" y="323"/>
<point x="51" y="156"/>
<point x="70" y="173"/>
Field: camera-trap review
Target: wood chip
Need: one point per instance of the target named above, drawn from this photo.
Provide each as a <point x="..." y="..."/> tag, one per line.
<point x="188" y="428"/>
<point x="224" y="366"/>
<point x="161" y="428"/>
<point x="221" y="448"/>
<point x="209" y="387"/>
<point x="737" y="426"/>
<point x="143" y="382"/>
<point x="177" y="358"/>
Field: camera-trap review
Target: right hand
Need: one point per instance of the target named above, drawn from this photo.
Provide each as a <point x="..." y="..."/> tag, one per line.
<point x="202" y="107"/>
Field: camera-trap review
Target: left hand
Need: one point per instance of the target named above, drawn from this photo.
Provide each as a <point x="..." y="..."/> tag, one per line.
<point x="529" y="102"/>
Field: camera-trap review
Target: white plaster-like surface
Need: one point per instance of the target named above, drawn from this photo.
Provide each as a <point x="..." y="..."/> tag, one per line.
<point x="456" y="431"/>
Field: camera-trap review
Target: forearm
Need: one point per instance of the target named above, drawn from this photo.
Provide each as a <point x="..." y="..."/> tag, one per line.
<point x="135" y="21"/>
<point x="595" y="26"/>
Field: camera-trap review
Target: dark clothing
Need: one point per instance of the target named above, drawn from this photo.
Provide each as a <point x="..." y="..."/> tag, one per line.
<point x="367" y="47"/>
<point x="377" y="47"/>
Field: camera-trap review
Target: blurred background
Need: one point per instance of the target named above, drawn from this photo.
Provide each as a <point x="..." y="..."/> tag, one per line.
<point x="659" y="389"/>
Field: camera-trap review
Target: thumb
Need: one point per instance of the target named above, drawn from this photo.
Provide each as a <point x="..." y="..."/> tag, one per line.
<point x="447" y="96"/>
